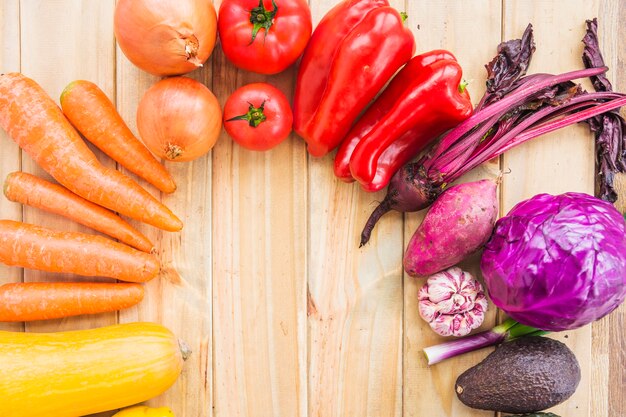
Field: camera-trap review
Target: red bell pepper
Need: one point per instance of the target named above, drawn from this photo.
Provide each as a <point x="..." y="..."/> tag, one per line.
<point x="355" y="49"/>
<point x="426" y="98"/>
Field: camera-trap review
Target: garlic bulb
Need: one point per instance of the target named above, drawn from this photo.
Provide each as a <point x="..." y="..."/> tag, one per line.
<point x="453" y="302"/>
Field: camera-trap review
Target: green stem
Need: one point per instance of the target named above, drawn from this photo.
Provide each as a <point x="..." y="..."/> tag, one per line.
<point x="254" y="116"/>
<point x="261" y="18"/>
<point x="463" y="86"/>
<point x="520" y="330"/>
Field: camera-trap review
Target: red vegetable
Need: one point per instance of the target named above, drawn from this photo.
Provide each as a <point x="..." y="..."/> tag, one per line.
<point x="264" y="36"/>
<point x="28" y="301"/>
<point x="515" y="109"/>
<point x="258" y="116"/>
<point x="355" y="49"/>
<point x="423" y="100"/>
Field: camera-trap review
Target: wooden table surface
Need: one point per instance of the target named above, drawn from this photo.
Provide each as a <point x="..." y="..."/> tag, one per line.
<point x="286" y="316"/>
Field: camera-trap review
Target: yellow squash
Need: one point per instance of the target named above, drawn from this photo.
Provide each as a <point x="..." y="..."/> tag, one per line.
<point x="75" y="373"/>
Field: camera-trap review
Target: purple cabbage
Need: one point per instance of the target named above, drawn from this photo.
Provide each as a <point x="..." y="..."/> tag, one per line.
<point x="557" y="262"/>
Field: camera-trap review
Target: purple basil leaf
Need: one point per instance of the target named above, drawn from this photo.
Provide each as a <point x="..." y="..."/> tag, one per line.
<point x="508" y="66"/>
<point x="609" y="128"/>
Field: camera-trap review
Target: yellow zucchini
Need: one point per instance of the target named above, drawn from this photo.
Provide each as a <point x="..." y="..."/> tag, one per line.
<point x="74" y="373"/>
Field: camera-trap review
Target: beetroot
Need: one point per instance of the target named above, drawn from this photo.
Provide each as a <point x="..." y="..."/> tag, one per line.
<point x="458" y="223"/>
<point x="515" y="108"/>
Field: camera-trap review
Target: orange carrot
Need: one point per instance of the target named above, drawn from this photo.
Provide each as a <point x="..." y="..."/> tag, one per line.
<point x="91" y="112"/>
<point x="39" y="127"/>
<point x="28" y="301"/>
<point x="35" y="247"/>
<point x="30" y="190"/>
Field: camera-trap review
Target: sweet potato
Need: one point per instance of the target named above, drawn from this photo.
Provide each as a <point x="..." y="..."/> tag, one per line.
<point x="458" y="223"/>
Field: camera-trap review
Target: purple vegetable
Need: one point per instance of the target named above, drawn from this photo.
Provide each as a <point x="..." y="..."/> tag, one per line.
<point x="557" y="262"/>
<point x="457" y="225"/>
<point x="515" y="108"/>
<point x="553" y="263"/>
<point x="609" y="128"/>
<point x="505" y="332"/>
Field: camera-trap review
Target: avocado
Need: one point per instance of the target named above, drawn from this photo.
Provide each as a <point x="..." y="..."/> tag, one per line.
<point x="524" y="375"/>
<point x="535" y="415"/>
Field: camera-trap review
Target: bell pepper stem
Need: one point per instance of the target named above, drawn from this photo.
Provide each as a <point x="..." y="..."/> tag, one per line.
<point x="463" y="86"/>
<point x="262" y="18"/>
<point x="254" y="116"/>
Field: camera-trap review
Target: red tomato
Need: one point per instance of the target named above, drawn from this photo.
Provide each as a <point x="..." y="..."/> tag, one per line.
<point x="258" y="116"/>
<point x="280" y="31"/>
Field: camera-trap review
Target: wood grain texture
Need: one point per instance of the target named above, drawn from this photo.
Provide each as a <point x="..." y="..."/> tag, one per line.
<point x="355" y="296"/>
<point x="83" y="49"/>
<point x="541" y="166"/>
<point x="608" y="366"/>
<point x="10" y="154"/>
<point x="430" y="23"/>
<point x="259" y="269"/>
<point x="285" y="315"/>
<point x="181" y="296"/>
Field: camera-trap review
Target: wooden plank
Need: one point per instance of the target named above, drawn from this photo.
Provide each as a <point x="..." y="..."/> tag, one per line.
<point x="180" y="297"/>
<point x="279" y="224"/>
<point x="259" y="287"/>
<point x="53" y="58"/>
<point x="609" y="356"/>
<point x="9" y="151"/>
<point x="355" y="295"/>
<point x="542" y="166"/>
<point x="429" y="390"/>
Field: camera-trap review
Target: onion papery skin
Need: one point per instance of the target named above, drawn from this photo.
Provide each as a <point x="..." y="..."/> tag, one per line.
<point x="179" y="119"/>
<point x="166" y="37"/>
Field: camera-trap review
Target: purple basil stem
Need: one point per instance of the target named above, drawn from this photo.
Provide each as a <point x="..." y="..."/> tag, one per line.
<point x="609" y="128"/>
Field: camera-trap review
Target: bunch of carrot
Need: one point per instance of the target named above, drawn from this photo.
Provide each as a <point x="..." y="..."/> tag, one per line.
<point x="88" y="193"/>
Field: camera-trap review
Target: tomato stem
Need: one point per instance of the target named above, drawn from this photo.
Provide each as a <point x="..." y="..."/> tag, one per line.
<point x="261" y="18"/>
<point x="254" y="116"/>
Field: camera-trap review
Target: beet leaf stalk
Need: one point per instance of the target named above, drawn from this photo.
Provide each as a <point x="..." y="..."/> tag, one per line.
<point x="609" y="128"/>
<point x="508" y="330"/>
<point x="515" y="109"/>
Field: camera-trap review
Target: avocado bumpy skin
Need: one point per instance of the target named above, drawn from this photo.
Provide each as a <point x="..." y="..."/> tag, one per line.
<point x="539" y="414"/>
<point x="524" y="375"/>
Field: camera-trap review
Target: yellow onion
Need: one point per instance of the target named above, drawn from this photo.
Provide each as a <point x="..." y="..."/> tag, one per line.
<point x="166" y="37"/>
<point x="179" y="119"/>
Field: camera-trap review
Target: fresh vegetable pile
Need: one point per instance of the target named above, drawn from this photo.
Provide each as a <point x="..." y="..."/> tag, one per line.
<point x="426" y="98"/>
<point x="552" y="263"/>
<point x="353" y="52"/>
<point x="515" y="109"/>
